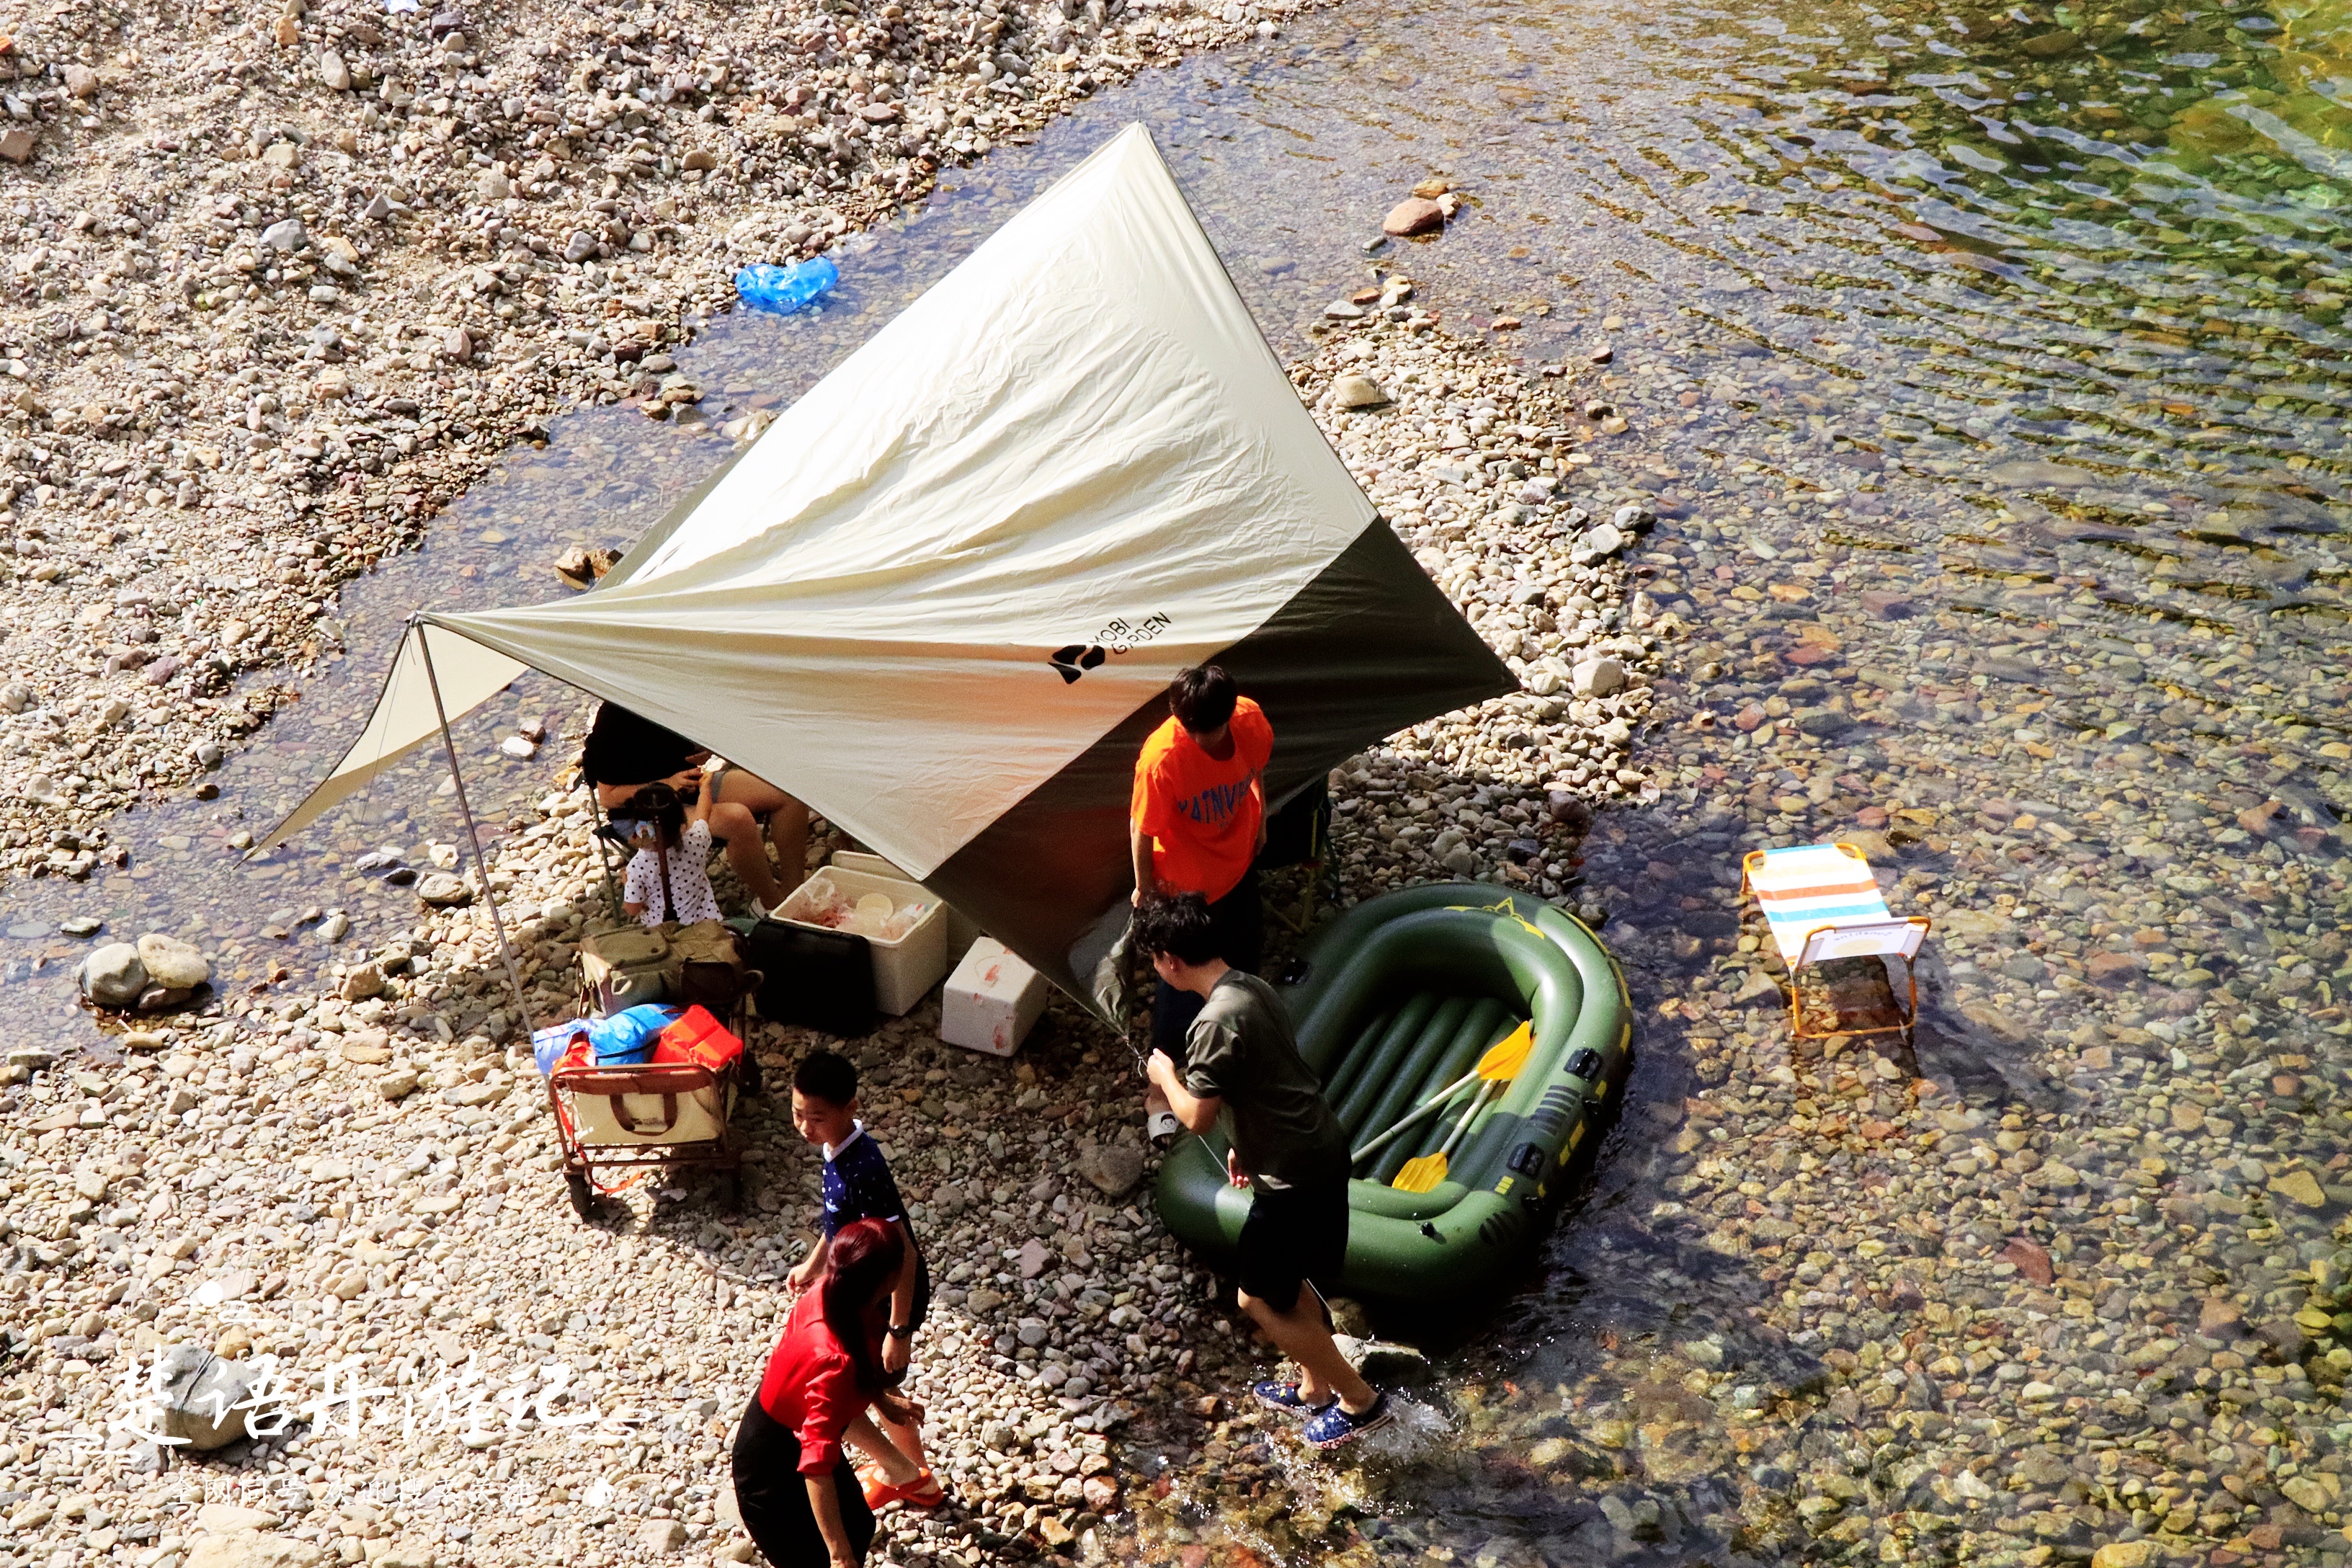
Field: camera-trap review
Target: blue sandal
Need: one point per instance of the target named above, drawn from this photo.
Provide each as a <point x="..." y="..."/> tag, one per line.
<point x="1334" y="1426"/>
<point x="1286" y="1398"/>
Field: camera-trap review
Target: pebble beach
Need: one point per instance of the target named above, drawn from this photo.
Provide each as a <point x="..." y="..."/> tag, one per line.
<point x="368" y="1173"/>
<point x="2060" y="1278"/>
<point x="282" y="286"/>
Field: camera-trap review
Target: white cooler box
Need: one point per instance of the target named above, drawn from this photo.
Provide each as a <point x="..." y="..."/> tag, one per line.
<point x="904" y="969"/>
<point x="961" y="931"/>
<point x="992" y="1001"/>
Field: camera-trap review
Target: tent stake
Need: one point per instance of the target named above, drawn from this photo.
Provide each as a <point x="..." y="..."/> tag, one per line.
<point x="497" y="923"/>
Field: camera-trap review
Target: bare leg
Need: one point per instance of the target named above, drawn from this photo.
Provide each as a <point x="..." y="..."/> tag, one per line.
<point x="1303" y="1336"/>
<point x="745" y="851"/>
<point x="788" y="828"/>
<point x="870" y="1439"/>
<point x="908" y="1439"/>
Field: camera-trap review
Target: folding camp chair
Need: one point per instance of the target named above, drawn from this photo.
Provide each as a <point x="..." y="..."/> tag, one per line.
<point x="1822" y="904"/>
<point x="1298" y="832"/>
<point x="608" y="855"/>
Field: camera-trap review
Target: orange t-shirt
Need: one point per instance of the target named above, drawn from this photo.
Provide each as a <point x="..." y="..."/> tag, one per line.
<point x="1201" y="814"/>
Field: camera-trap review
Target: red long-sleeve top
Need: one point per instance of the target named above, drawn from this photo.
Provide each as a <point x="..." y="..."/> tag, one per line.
<point x="810" y="1386"/>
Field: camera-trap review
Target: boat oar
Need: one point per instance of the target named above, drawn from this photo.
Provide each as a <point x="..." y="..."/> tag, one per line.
<point x="1501" y="1064"/>
<point x="1421" y="1175"/>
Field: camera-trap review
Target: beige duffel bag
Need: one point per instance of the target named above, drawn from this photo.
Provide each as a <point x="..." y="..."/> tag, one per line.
<point x="662" y="1104"/>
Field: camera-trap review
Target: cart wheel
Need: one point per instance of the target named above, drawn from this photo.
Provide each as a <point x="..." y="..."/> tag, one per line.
<point x="753" y="1080"/>
<point x="584" y="1196"/>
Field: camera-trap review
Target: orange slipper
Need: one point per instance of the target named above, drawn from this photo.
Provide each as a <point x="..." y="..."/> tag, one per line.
<point x="923" y="1491"/>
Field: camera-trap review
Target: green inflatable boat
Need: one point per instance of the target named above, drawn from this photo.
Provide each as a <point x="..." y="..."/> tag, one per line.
<point x="1399" y="998"/>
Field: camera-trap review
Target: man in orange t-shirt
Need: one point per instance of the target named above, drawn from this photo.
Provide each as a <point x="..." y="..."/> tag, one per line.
<point x="1195" y="824"/>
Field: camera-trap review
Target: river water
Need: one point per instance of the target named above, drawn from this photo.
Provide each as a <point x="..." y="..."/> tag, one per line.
<point x="1985" y="368"/>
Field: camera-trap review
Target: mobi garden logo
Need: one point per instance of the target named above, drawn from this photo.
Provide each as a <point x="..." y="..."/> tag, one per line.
<point x="1120" y="636"/>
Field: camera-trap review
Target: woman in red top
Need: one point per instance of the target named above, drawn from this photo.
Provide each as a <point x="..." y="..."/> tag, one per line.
<point x="798" y="1497"/>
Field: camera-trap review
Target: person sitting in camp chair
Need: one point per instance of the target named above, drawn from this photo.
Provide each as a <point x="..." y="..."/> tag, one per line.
<point x="624" y="752"/>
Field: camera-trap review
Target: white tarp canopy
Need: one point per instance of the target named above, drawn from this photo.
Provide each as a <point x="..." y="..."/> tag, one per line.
<point x="1078" y="440"/>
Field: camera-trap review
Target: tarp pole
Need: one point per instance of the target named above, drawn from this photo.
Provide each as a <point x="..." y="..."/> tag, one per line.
<point x="603" y="850"/>
<point x="498" y="924"/>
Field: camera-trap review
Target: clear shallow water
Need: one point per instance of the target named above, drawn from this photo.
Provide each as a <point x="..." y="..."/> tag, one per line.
<point x="1987" y="370"/>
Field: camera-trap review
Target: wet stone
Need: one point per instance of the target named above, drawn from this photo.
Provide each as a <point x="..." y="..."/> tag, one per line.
<point x="113" y="976"/>
<point x="1415" y="214"/>
<point x="442" y="890"/>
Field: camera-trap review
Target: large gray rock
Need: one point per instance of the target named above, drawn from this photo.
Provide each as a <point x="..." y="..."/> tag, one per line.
<point x="113" y="976"/>
<point x="1113" y="1168"/>
<point x="1357" y="392"/>
<point x="1603" y="540"/>
<point x="172" y="963"/>
<point x="197" y="1395"/>
<point x="1384" y="1361"/>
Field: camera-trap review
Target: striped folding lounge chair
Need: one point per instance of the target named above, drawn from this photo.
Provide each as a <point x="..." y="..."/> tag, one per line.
<point x="1822" y="903"/>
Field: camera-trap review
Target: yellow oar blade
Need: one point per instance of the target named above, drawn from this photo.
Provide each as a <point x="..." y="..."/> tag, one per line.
<point x="1421" y="1175"/>
<point x="1502" y="1063"/>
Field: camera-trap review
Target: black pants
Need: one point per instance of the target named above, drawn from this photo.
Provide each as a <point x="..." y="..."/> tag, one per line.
<point x="772" y="1494"/>
<point x="1239" y="922"/>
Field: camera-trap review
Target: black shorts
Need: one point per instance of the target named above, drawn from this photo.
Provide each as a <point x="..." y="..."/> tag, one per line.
<point x="1294" y="1234"/>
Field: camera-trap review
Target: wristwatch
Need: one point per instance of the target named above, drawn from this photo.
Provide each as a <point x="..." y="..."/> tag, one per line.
<point x="904" y="1333"/>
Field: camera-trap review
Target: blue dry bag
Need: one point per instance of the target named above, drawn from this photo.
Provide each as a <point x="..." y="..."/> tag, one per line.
<point x="548" y="1045"/>
<point x="627" y="1038"/>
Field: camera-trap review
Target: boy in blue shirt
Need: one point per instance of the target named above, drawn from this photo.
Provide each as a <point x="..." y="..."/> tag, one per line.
<point x="858" y="1185"/>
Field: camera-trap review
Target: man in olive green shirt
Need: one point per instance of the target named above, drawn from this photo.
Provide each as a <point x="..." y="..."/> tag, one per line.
<point x="1286" y="1147"/>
